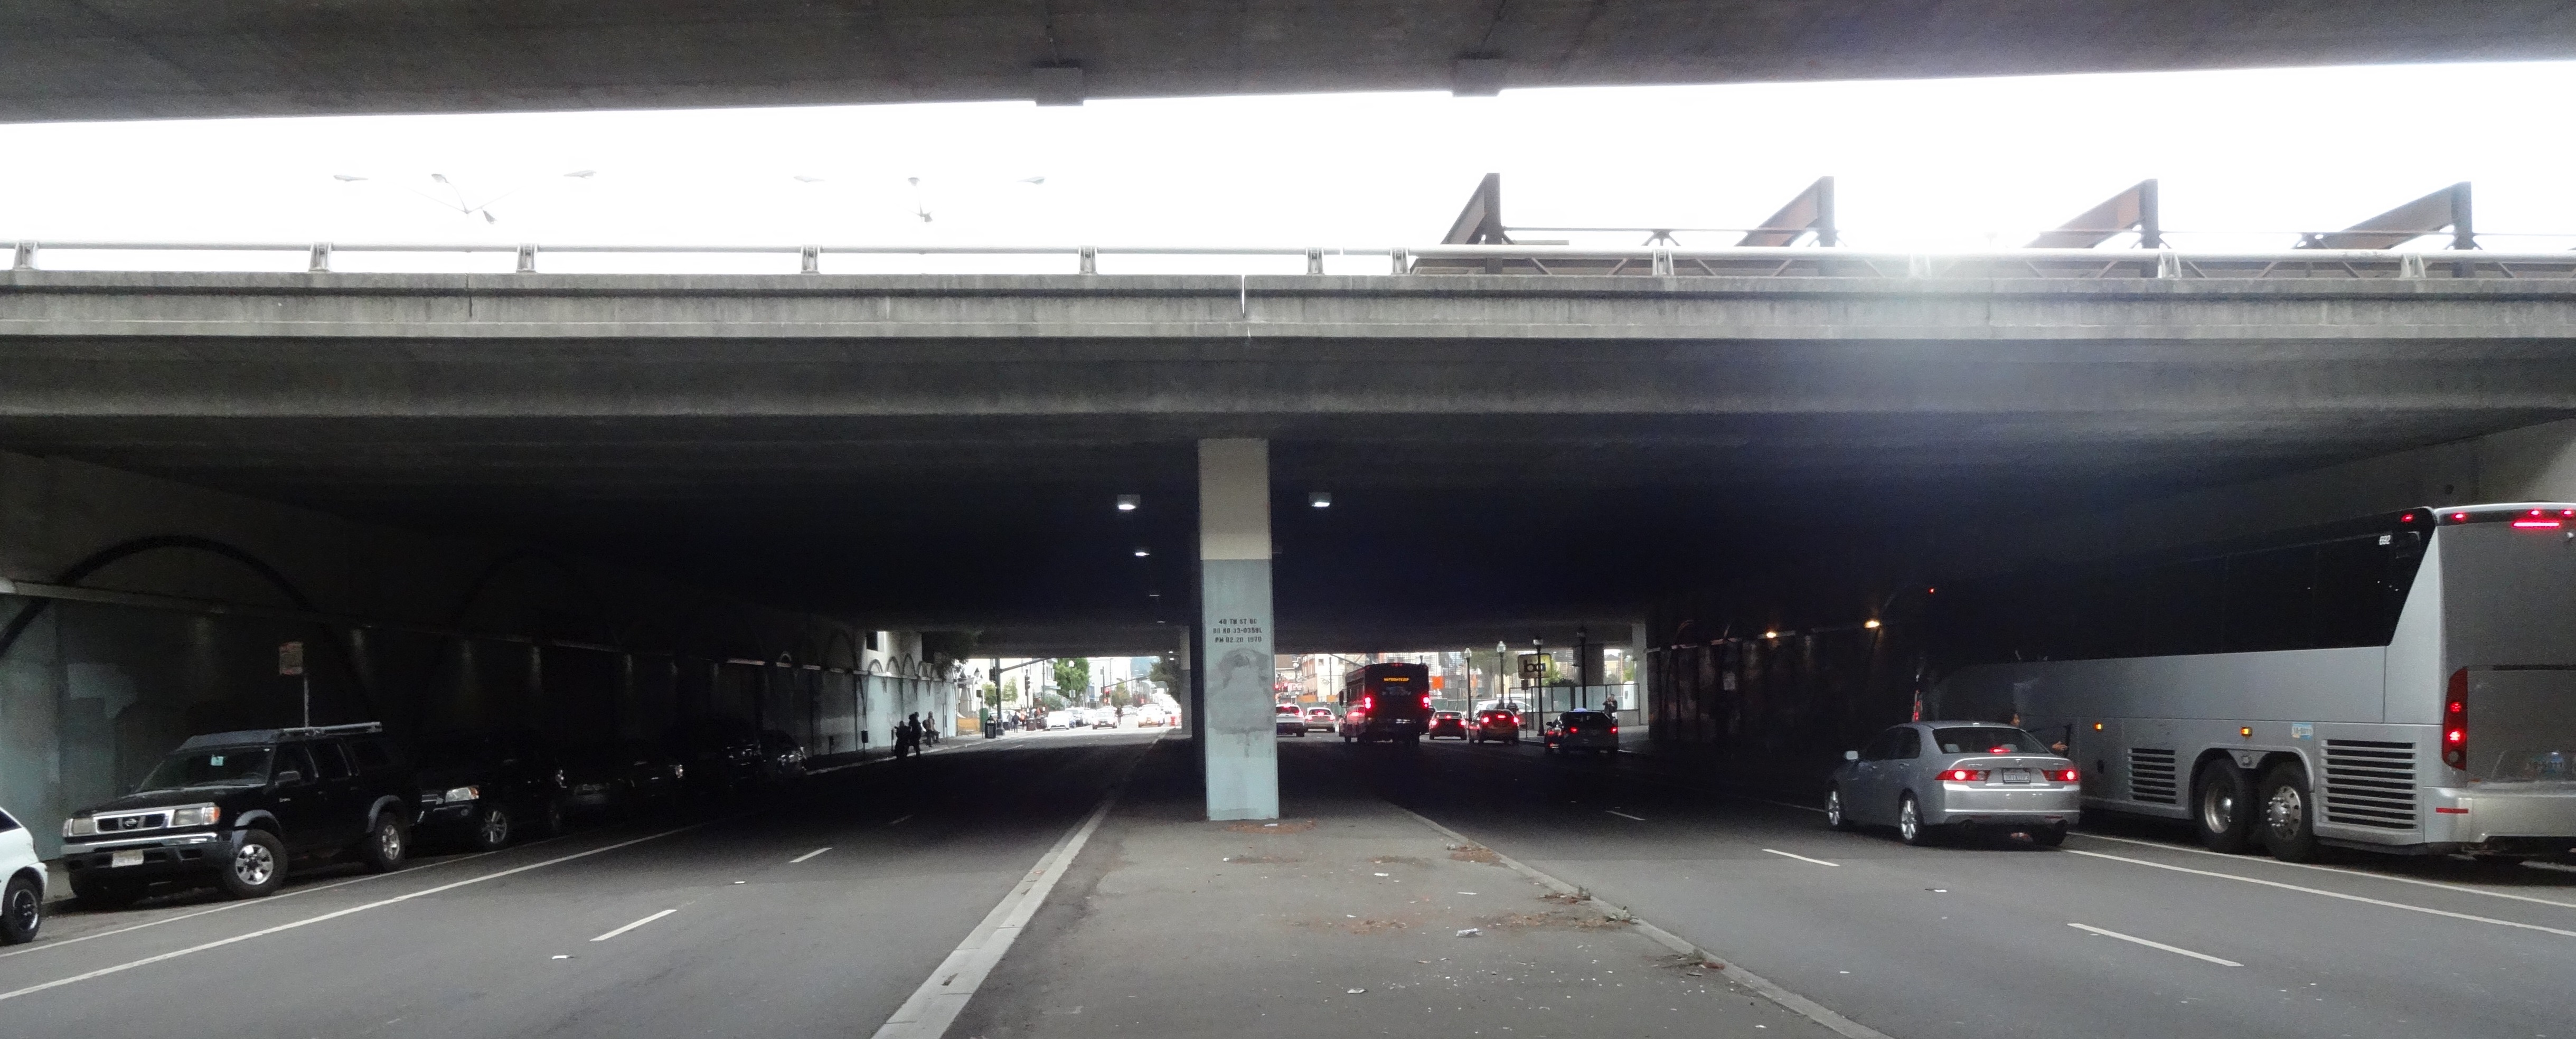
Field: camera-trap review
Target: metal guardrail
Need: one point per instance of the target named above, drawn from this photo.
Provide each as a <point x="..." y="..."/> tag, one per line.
<point x="1753" y="261"/>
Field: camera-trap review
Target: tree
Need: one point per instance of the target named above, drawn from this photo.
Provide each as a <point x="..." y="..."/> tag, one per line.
<point x="1073" y="677"/>
<point x="1166" y="673"/>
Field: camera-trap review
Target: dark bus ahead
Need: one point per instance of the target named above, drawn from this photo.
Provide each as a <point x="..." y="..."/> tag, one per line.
<point x="1390" y="702"/>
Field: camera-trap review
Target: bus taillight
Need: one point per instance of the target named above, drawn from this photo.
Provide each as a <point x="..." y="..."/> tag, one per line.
<point x="2455" y="721"/>
<point x="1426" y="701"/>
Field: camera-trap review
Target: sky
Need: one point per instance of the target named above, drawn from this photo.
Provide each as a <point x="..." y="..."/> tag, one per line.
<point x="2246" y="159"/>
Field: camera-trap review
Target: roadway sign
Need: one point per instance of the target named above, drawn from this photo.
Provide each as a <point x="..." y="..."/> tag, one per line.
<point x="1533" y="665"/>
<point x="290" y="658"/>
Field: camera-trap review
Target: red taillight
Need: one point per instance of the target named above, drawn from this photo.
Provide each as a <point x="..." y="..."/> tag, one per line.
<point x="1614" y="730"/>
<point x="2539" y="524"/>
<point x="2455" y="721"/>
<point x="1367" y="702"/>
<point x="1426" y="701"/>
<point x="2062" y="775"/>
<point x="1963" y="775"/>
<point x="2003" y="750"/>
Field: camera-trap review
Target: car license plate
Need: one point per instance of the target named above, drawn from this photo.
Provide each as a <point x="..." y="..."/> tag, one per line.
<point x="124" y="858"/>
<point x="2016" y="775"/>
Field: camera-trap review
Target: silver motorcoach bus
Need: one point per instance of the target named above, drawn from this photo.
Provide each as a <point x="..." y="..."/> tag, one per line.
<point x="2403" y="683"/>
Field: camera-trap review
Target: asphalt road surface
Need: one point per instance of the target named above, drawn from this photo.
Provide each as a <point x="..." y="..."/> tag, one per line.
<point x="722" y="923"/>
<point x="821" y="910"/>
<point x="2129" y="931"/>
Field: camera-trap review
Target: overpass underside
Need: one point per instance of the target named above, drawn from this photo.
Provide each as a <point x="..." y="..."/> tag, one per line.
<point x="162" y="59"/>
<point x="1508" y="456"/>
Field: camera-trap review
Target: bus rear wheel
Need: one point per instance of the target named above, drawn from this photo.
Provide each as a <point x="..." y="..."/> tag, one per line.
<point x="2289" y="815"/>
<point x="2223" y="807"/>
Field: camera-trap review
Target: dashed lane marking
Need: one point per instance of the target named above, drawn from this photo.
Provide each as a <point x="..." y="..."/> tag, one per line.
<point x="333" y="915"/>
<point x="1801" y="858"/>
<point x="636" y="924"/>
<point x="2427" y="910"/>
<point x="2175" y="949"/>
<point x="1622" y="815"/>
<point x="809" y="855"/>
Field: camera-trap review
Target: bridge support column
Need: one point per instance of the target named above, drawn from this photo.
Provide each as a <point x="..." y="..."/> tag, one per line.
<point x="1239" y="744"/>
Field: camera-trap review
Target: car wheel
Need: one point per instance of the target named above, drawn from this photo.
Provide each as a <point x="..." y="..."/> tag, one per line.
<point x="492" y="831"/>
<point x="2223" y="807"/>
<point x="1834" y="817"/>
<point x="1910" y="827"/>
<point x="387" y="844"/>
<point x="257" y="866"/>
<point x="2289" y="816"/>
<point x="22" y="911"/>
<point x="2049" y="836"/>
<point x="105" y="894"/>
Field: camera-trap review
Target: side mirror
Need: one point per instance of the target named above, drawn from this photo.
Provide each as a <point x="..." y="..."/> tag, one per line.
<point x="1851" y="755"/>
<point x="290" y="777"/>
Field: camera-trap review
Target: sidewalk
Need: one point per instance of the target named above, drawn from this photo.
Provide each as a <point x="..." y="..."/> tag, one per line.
<point x="1341" y="919"/>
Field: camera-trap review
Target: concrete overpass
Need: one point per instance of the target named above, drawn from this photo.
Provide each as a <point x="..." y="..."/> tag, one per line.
<point x="71" y="59"/>
<point x="1509" y="455"/>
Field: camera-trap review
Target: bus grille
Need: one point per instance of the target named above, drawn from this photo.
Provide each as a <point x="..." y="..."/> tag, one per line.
<point x="2151" y="775"/>
<point x="2370" y="783"/>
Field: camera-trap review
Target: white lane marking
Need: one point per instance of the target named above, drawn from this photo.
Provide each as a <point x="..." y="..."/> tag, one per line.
<point x="270" y="900"/>
<point x="1801" y="858"/>
<point x="333" y="915"/>
<point x="2329" y="894"/>
<point x="933" y="1006"/>
<point x="2338" y="869"/>
<point x="897" y="819"/>
<point x="2175" y="949"/>
<point x="1725" y="967"/>
<point x="1622" y="815"/>
<point x="636" y="924"/>
<point x="809" y="855"/>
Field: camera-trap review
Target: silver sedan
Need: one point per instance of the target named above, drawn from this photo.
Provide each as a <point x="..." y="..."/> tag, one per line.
<point x="1926" y="777"/>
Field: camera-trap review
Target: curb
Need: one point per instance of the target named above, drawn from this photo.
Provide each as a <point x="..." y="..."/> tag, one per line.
<point x="1790" y="1001"/>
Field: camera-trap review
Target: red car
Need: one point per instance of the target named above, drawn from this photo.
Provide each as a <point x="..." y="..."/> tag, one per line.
<point x="1447" y="723"/>
<point x="1495" y="725"/>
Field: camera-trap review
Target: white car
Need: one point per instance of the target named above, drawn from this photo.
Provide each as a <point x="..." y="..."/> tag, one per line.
<point x="22" y="901"/>
<point x="1059" y="720"/>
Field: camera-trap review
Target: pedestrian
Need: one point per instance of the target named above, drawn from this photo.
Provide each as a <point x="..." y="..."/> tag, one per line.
<point x="903" y="739"/>
<point x="912" y="724"/>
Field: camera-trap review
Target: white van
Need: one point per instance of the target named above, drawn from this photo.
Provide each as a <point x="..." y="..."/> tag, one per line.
<point x="22" y="899"/>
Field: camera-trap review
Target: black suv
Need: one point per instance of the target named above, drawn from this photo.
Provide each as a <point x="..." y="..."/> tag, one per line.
<point x="489" y="788"/>
<point x="236" y="807"/>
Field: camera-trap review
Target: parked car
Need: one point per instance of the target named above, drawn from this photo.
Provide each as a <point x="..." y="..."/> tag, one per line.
<point x="1059" y="720"/>
<point x="613" y="778"/>
<point x="1320" y="719"/>
<point x="1497" y="724"/>
<point x="486" y="789"/>
<point x="22" y="883"/>
<point x="781" y="757"/>
<point x="237" y="808"/>
<point x="1926" y="777"/>
<point x="1287" y="720"/>
<point x="718" y="753"/>
<point x="1446" y="723"/>
<point x="1590" y="731"/>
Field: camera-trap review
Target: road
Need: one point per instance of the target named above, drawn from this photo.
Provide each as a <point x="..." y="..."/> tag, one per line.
<point x="725" y="923"/>
<point x="822" y="910"/>
<point x="1985" y="940"/>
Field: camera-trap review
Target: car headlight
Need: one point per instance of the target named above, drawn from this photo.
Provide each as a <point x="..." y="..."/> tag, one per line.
<point x="679" y="771"/>
<point x="195" y="815"/>
<point x="80" y="826"/>
<point x="462" y="794"/>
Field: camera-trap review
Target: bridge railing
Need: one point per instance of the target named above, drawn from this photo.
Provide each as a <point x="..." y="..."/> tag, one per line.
<point x="1434" y="260"/>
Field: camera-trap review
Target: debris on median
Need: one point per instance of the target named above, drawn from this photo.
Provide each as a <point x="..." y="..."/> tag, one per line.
<point x="1282" y="826"/>
<point x="1471" y="853"/>
<point x="1554" y="920"/>
<point x="1471" y="932"/>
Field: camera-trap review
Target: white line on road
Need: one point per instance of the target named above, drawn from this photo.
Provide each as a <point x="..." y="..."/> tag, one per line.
<point x="2104" y="932"/>
<point x="1801" y="858"/>
<point x="933" y="1006"/>
<point x="636" y="924"/>
<point x="270" y="900"/>
<point x="333" y="915"/>
<point x="1622" y="815"/>
<point x="2463" y="889"/>
<point x="897" y="819"/>
<point x="1725" y="968"/>
<point x="2329" y="894"/>
<point x="809" y="855"/>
